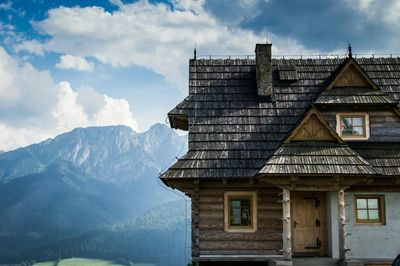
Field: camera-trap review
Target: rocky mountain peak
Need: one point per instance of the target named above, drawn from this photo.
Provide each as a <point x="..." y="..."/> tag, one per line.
<point x="115" y="154"/>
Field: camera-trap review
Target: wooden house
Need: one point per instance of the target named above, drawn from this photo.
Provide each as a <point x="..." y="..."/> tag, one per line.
<point x="291" y="158"/>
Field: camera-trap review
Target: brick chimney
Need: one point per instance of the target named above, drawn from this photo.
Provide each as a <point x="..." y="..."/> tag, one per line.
<point x="264" y="69"/>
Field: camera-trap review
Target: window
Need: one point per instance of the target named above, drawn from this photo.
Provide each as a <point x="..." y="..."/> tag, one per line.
<point x="240" y="212"/>
<point x="353" y="126"/>
<point x="370" y="209"/>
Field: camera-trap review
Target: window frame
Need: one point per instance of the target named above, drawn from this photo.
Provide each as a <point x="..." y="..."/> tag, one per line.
<point x="253" y="203"/>
<point x="366" y="127"/>
<point x="381" y="210"/>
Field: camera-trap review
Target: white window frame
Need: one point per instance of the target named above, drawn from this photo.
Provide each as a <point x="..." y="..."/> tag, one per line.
<point x="367" y="126"/>
<point x="240" y="229"/>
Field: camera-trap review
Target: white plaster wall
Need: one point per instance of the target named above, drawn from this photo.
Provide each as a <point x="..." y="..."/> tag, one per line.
<point x="367" y="241"/>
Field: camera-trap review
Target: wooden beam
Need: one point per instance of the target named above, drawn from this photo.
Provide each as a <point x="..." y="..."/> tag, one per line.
<point x="342" y="225"/>
<point x="312" y="188"/>
<point x="287" y="234"/>
<point x="293" y="182"/>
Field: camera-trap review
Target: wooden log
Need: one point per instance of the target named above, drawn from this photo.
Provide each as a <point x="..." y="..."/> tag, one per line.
<point x="212" y="206"/>
<point x="240" y="245"/>
<point x="241" y="252"/>
<point x="270" y="207"/>
<point x="342" y="225"/>
<point x="218" y="224"/>
<point x="287" y="234"/>
<point x="270" y="223"/>
<point x="270" y="215"/>
<point x="217" y="191"/>
<point x="260" y="235"/>
<point x="210" y="214"/>
<point x="212" y="200"/>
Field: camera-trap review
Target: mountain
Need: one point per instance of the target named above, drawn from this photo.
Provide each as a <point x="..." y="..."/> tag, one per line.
<point x="160" y="236"/>
<point x="80" y="181"/>
<point x="102" y="153"/>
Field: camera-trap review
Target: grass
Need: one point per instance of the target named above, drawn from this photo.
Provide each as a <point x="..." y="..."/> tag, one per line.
<point x="49" y="263"/>
<point x="85" y="262"/>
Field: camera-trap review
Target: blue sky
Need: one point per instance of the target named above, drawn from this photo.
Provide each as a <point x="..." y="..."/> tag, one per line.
<point x="72" y="63"/>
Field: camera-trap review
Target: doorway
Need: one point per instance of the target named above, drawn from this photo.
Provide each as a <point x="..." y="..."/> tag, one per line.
<point x="309" y="232"/>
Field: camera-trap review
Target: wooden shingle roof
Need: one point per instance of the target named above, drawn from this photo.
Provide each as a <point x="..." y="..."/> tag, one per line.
<point x="316" y="158"/>
<point x="233" y="132"/>
<point x="354" y="95"/>
<point x="383" y="157"/>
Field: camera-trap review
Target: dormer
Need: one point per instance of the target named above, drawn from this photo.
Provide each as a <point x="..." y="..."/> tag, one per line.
<point x="351" y="85"/>
<point x="312" y="149"/>
<point x="350" y="98"/>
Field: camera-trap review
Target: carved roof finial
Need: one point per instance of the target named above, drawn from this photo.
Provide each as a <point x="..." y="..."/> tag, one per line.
<point x="195" y="51"/>
<point x="350" y="52"/>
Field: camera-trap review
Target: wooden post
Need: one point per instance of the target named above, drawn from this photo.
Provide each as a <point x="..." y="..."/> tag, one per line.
<point x="287" y="230"/>
<point x="195" y="223"/>
<point x="342" y="225"/>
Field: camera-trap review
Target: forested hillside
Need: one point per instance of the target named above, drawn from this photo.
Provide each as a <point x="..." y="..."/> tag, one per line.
<point x="158" y="236"/>
<point x="83" y="187"/>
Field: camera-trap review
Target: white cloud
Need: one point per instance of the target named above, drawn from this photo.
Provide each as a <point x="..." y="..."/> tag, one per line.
<point x="74" y="62"/>
<point x="118" y="3"/>
<point x="377" y="11"/>
<point x="115" y="111"/>
<point x="6" y="5"/>
<point x="149" y="35"/>
<point x="13" y="137"/>
<point x="68" y="113"/>
<point x="364" y="4"/>
<point x="90" y="100"/>
<point x="250" y="4"/>
<point x="24" y="91"/>
<point x="33" y="107"/>
<point x="32" y="46"/>
<point x="71" y="114"/>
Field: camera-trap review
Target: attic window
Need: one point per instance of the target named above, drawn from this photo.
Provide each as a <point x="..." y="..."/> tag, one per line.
<point x="353" y="126"/>
<point x="240" y="212"/>
<point x="287" y="72"/>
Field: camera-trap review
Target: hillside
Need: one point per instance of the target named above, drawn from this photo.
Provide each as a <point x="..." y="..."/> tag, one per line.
<point x="81" y="181"/>
<point x="156" y="237"/>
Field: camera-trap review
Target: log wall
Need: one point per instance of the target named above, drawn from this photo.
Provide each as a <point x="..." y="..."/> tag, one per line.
<point x="213" y="239"/>
<point x="384" y="125"/>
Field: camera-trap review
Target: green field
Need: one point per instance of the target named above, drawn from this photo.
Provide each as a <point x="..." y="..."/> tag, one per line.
<point x="85" y="262"/>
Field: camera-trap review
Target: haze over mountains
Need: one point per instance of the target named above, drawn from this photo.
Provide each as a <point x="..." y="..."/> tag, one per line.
<point x="80" y="181"/>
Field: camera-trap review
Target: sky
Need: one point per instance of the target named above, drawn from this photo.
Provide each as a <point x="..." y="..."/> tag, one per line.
<point x="72" y="63"/>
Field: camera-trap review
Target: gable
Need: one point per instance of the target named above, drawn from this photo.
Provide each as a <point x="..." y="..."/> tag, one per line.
<point x="351" y="77"/>
<point x="351" y="74"/>
<point x="352" y="85"/>
<point x="313" y="127"/>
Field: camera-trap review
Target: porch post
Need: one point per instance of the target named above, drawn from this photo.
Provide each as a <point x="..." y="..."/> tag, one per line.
<point x="287" y="230"/>
<point x="342" y="225"/>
